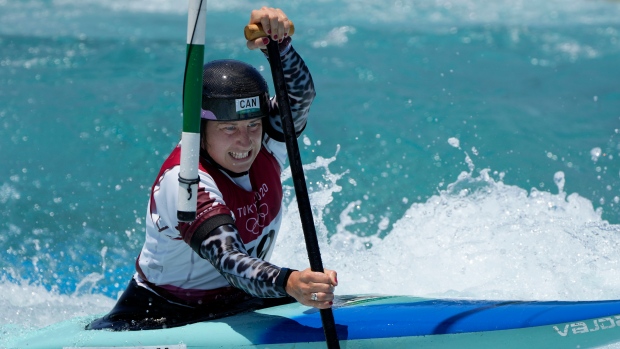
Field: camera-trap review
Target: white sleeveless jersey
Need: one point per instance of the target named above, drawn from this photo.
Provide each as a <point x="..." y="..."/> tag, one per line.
<point x="167" y="264"/>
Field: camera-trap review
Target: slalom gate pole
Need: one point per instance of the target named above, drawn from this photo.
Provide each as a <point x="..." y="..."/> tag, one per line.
<point x="192" y="102"/>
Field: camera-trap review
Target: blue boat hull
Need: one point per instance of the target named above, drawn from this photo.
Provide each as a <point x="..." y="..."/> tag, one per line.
<point x="369" y="321"/>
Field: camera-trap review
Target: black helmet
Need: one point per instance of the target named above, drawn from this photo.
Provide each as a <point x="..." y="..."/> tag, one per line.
<point x="233" y="90"/>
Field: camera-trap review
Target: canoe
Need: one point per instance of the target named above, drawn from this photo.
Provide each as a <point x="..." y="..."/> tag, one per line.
<point x="368" y="321"/>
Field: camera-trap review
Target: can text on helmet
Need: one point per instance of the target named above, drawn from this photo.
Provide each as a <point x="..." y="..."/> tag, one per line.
<point x="245" y="105"/>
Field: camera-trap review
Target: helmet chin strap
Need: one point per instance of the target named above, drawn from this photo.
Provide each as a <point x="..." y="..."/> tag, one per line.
<point x="205" y="155"/>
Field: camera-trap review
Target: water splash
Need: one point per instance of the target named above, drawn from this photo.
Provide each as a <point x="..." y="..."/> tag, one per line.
<point x="88" y="283"/>
<point x="27" y="306"/>
<point x="478" y="238"/>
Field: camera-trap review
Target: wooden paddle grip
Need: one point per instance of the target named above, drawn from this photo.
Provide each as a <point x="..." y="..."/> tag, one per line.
<point x="255" y="31"/>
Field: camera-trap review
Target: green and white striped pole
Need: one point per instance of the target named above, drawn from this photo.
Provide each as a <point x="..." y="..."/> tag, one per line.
<point x="192" y="102"/>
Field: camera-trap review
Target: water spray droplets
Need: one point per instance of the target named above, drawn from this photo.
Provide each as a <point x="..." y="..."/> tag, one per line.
<point x="453" y="141"/>
<point x="559" y="180"/>
<point x="595" y="153"/>
<point x="470" y="163"/>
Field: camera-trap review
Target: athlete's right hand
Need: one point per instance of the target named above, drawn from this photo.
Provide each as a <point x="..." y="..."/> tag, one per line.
<point x="302" y="285"/>
<point x="274" y="22"/>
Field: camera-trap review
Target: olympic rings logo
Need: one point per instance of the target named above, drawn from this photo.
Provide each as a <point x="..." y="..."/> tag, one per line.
<point x="252" y="224"/>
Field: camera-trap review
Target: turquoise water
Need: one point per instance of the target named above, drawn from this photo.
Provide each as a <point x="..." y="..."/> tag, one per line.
<point x="455" y="148"/>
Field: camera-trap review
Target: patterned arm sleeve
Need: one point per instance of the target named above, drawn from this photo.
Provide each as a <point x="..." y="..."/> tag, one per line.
<point x="301" y="93"/>
<point x="224" y="249"/>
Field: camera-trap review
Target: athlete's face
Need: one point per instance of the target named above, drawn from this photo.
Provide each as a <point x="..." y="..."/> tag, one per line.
<point x="234" y="144"/>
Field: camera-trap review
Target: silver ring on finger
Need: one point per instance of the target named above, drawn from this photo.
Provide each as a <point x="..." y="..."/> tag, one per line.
<point x="314" y="296"/>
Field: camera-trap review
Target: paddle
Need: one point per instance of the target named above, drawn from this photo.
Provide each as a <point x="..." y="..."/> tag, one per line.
<point x="301" y="191"/>
<point x="192" y="102"/>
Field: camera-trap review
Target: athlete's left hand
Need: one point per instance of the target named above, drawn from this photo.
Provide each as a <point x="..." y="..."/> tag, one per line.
<point x="313" y="289"/>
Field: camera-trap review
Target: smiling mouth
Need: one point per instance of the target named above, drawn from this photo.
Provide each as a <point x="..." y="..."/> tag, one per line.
<point x="239" y="156"/>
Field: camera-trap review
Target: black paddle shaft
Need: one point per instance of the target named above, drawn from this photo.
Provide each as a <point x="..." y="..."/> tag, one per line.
<point x="301" y="191"/>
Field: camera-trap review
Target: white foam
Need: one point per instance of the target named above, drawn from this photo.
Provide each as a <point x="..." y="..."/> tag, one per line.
<point x="479" y="238"/>
<point x="26" y="305"/>
<point x="336" y="37"/>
